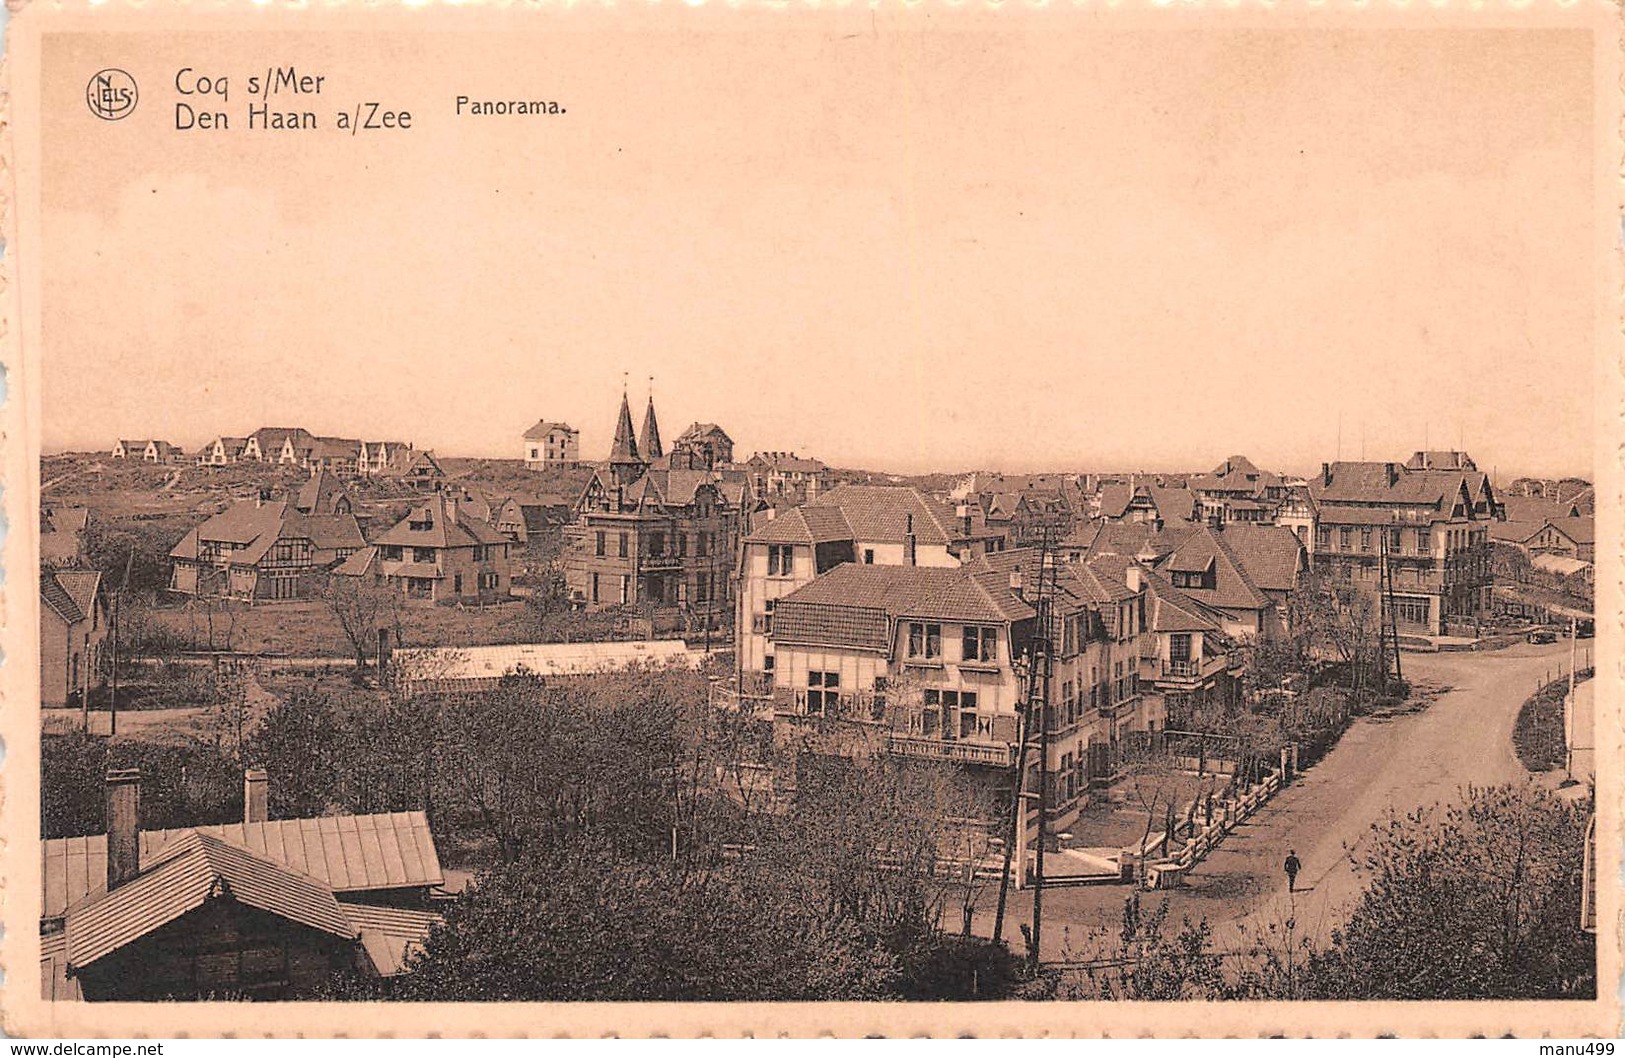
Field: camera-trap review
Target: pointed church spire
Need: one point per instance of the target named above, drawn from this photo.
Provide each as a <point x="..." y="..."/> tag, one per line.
<point x="625" y="449"/>
<point x="649" y="442"/>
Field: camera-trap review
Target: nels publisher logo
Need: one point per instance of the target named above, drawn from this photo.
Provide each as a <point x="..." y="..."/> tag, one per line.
<point x="111" y="94"/>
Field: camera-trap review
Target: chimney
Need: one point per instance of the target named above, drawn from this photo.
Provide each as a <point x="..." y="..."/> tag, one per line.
<point x="256" y="796"/>
<point x="1325" y="473"/>
<point x="123" y="786"/>
<point x="1133" y="579"/>
<point x="964" y="513"/>
<point x="451" y="507"/>
<point x="908" y="539"/>
<point x="1392" y="474"/>
<point x="1015" y="582"/>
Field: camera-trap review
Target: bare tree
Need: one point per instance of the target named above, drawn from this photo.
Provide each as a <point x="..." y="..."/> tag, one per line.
<point x="362" y="605"/>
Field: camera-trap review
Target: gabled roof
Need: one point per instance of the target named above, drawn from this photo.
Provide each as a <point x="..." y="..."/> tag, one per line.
<point x="1537" y="508"/>
<point x="357" y="564"/>
<point x="389" y="850"/>
<point x="1137" y="539"/>
<point x="881" y="512"/>
<point x="804" y="525"/>
<point x="70" y="594"/>
<point x="1172" y="610"/>
<point x="318" y="494"/>
<point x="423" y="464"/>
<point x="1271" y="555"/>
<point x="543" y="428"/>
<point x="1515" y="532"/>
<point x="703" y="430"/>
<point x="1580" y="530"/>
<point x="1207" y="548"/>
<point x="441" y="530"/>
<point x="192" y="869"/>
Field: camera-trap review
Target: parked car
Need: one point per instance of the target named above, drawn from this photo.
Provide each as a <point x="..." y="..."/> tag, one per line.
<point x="1542" y="635"/>
<point x="1584" y="629"/>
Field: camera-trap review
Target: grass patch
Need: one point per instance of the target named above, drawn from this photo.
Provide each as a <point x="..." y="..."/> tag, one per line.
<point x="1538" y="734"/>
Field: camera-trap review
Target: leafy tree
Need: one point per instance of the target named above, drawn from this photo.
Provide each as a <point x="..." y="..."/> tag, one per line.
<point x="591" y="924"/>
<point x="1479" y="900"/>
<point x="298" y="742"/>
<point x="181" y="785"/>
<point x="1145" y="959"/>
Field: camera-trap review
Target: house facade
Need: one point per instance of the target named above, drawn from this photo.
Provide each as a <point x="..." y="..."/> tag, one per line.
<point x="656" y="537"/>
<point x="922" y="662"/>
<point x="438" y="554"/>
<point x="263" y="550"/>
<point x="1430" y="527"/>
<point x="865" y="524"/>
<point x="785" y="475"/>
<point x="551" y="444"/>
<point x="73" y="629"/>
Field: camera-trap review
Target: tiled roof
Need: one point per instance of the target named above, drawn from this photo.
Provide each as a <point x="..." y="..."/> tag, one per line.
<point x="708" y="430"/>
<point x="55" y="594"/>
<point x="1174" y="611"/>
<point x="543" y="428"/>
<point x="891" y="589"/>
<point x="1233" y="589"/>
<point x="1271" y="555"/>
<point x="804" y="525"/>
<point x="880" y="513"/>
<point x="357" y="563"/>
<point x="191" y="869"/>
<point x="1535" y="508"/>
<point x="390" y="850"/>
<point x="442" y="531"/>
<point x="1515" y="532"/>
<point x="1580" y="530"/>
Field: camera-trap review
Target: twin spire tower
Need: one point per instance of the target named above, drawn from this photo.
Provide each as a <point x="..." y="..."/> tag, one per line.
<point x="631" y="454"/>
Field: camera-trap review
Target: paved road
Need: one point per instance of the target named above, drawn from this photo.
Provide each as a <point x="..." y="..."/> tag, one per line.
<point x="1460" y="732"/>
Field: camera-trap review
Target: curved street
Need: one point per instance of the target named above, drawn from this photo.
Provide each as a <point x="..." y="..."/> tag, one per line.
<point x="1456" y="731"/>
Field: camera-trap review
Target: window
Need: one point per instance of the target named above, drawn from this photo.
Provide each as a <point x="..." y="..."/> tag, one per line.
<point x="780" y="559"/>
<point x="868" y="556"/>
<point x="1323" y="536"/>
<point x="877" y="704"/>
<point x="423" y="554"/>
<point x="626" y="589"/>
<point x="488" y="582"/>
<point x="1365" y="538"/>
<point x="1424" y="542"/>
<point x="1345" y="539"/>
<point x="924" y="641"/>
<point x="598" y="544"/>
<point x="823" y="693"/>
<point x="979" y="644"/>
<point x="621" y="551"/>
<point x="1394" y="544"/>
<point x="457" y="584"/>
<point x="595" y="587"/>
<point x="1410" y="610"/>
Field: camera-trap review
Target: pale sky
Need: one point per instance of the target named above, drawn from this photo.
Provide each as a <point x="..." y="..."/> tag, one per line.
<point x="898" y="251"/>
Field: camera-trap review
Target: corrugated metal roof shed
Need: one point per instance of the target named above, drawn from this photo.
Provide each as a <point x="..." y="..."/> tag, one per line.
<point x="539" y="659"/>
<point x="391" y="850"/>
<point x="190" y="870"/>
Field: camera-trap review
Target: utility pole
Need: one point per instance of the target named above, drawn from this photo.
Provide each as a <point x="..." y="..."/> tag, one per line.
<point x="118" y="609"/>
<point x="1034" y="723"/>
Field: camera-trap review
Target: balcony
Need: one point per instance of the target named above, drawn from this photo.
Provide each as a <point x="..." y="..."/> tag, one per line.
<point x="1190" y="670"/>
<point x="659" y="562"/>
<point x="995" y="754"/>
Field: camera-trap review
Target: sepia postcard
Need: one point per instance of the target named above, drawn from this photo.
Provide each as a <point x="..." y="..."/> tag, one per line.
<point x="795" y="519"/>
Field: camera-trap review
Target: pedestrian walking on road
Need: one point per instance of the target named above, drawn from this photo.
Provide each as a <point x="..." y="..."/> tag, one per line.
<point x="1293" y="866"/>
